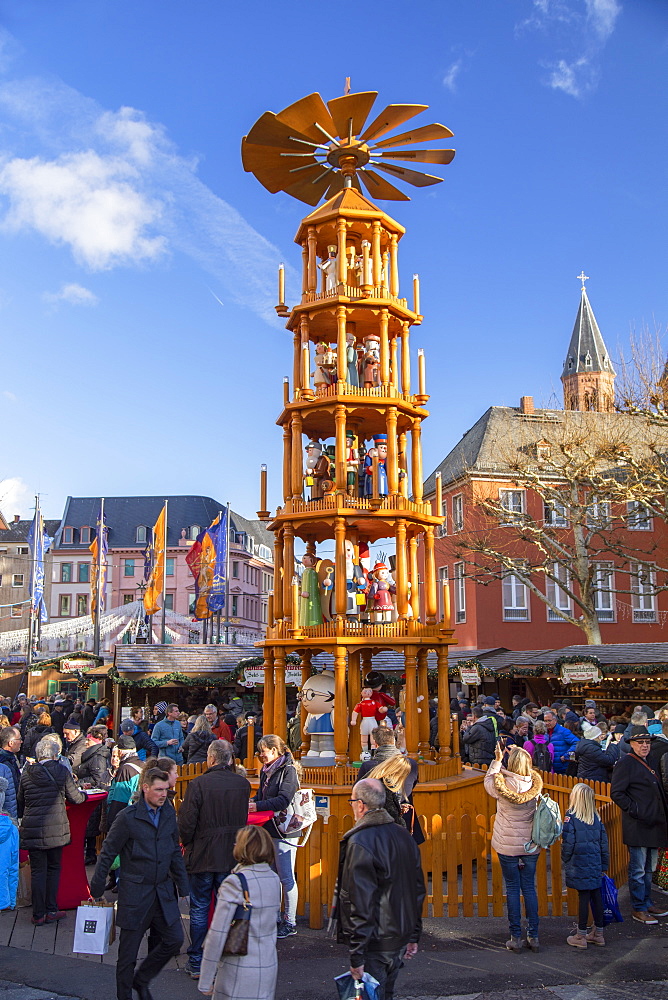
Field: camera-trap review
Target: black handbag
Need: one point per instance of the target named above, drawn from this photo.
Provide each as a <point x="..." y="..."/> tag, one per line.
<point x="237" y="936"/>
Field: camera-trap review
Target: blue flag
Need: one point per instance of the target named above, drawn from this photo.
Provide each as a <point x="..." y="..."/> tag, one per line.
<point x="39" y="545"/>
<point x="218" y="592"/>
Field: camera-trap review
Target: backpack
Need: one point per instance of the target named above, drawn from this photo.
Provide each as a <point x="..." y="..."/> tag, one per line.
<point x="541" y="758"/>
<point x="547" y="824"/>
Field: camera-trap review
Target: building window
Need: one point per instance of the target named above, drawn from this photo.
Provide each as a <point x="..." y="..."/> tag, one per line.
<point x="192" y="601"/>
<point x="141" y="534"/>
<point x="513" y="502"/>
<point x="169" y="566"/>
<point x="17" y="611"/>
<point x="22" y="550"/>
<point x="235" y="569"/>
<point x="264" y="552"/>
<point x="83" y="570"/>
<point x="460" y="593"/>
<point x="82" y="605"/>
<point x="169" y="602"/>
<point x="643" y="594"/>
<point x="543" y="451"/>
<point x="604" y="594"/>
<point x="555" y="593"/>
<point x="85" y="535"/>
<point x="556" y="514"/>
<point x="68" y="536"/>
<point x="17" y="580"/>
<point x="128" y="567"/>
<point x="235" y="607"/>
<point x="458" y="512"/>
<point x="638" y="517"/>
<point x="66" y="572"/>
<point x="193" y="532"/>
<point x="598" y="514"/>
<point x="65" y="605"/>
<point x="515" y="599"/>
<point x="442" y="583"/>
<point x="128" y="598"/>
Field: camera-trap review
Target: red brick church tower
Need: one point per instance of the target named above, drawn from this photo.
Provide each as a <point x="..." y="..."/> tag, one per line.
<point x="588" y="376"/>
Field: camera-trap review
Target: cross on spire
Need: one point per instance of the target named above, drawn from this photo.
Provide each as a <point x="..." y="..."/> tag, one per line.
<point x="583" y="277"/>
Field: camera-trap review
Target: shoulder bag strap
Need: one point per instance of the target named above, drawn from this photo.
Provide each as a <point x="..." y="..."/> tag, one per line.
<point x="244" y="889"/>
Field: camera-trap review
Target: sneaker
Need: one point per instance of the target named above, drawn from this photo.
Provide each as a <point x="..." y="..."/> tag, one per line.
<point x="533" y="943"/>
<point x="38" y="921"/>
<point x="657" y="911"/>
<point x="56" y="915"/>
<point x="643" y="917"/>
<point x="285" y="929"/>
<point x="192" y="970"/>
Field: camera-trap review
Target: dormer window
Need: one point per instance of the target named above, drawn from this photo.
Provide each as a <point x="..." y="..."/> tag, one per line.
<point x="84" y="535"/>
<point x="605" y="362"/>
<point x="570" y="364"/>
<point x="543" y="451"/>
<point x="193" y="532"/>
<point x="588" y="361"/>
<point x="141" y="534"/>
<point x="68" y="536"/>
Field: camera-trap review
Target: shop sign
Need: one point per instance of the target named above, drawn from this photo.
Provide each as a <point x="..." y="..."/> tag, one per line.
<point x="73" y="663"/>
<point x="580" y="673"/>
<point x="322" y="807"/>
<point x="255" y="675"/>
<point x="35" y="673"/>
<point x="469" y="675"/>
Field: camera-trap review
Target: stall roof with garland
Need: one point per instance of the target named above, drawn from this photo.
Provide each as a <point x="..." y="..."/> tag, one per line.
<point x="613" y="658"/>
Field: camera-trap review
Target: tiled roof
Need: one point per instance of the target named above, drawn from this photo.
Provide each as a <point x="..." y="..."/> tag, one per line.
<point x="587" y="351"/>
<point x="621" y="653"/>
<point x="18" y="530"/>
<point x="188" y="659"/>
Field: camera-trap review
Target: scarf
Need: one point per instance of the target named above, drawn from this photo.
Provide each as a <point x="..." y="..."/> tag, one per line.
<point x="268" y="769"/>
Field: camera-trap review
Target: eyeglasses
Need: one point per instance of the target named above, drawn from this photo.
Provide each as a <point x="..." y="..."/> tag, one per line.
<point x="354" y="800"/>
<point x="642" y="743"/>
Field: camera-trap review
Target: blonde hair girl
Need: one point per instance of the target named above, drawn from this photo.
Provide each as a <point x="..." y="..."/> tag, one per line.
<point x="585" y="856"/>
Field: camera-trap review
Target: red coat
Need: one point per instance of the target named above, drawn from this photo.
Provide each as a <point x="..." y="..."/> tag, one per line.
<point x="222" y="731"/>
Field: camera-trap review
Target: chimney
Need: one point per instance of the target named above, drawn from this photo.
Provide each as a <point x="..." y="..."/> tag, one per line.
<point x="526" y="404"/>
<point x="17" y="518"/>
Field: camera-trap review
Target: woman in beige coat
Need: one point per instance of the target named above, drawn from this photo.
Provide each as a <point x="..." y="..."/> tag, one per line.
<point x="251" y="976"/>
<point x="516" y="789"/>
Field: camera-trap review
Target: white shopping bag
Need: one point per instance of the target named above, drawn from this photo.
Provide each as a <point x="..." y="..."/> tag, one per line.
<point x="95" y="929"/>
<point x="296" y="821"/>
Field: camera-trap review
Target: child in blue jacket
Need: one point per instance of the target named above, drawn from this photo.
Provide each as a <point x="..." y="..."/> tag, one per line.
<point x="585" y="855"/>
<point x="9" y="853"/>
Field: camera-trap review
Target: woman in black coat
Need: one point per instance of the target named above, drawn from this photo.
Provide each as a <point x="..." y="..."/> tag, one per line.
<point x="34" y="735"/>
<point x="45" y="828"/>
<point x="196" y="744"/>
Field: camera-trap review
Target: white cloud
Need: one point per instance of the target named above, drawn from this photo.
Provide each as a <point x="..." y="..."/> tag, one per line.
<point x="9" y="395"/>
<point x="15" y="497"/>
<point x="73" y="294"/>
<point x="452" y="74"/>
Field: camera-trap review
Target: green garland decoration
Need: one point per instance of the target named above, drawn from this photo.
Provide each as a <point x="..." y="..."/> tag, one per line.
<point x="585" y="658"/>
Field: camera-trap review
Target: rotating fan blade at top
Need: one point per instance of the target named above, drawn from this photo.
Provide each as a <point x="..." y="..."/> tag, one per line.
<point x="303" y="115"/>
<point x="311" y="191"/>
<point x="378" y="187"/>
<point x="389" y="118"/>
<point x="421" y="155"/>
<point x="351" y="106"/>
<point x="272" y="169"/>
<point x="428" y="133"/>
<point x="269" y="131"/>
<point x="413" y="177"/>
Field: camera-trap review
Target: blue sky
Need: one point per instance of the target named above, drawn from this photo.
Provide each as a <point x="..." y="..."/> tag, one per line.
<point x="139" y="349"/>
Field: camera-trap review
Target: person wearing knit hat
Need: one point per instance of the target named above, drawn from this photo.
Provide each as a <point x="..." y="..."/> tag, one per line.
<point x="157" y="715"/>
<point x="593" y="762"/>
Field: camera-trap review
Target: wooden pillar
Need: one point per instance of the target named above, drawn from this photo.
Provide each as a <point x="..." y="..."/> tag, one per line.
<point x="280" y="711"/>
<point x="296" y="362"/>
<point x="278" y="575"/>
<point x="288" y="570"/>
<point x="413" y="575"/>
<point x="340" y="590"/>
<point x="354" y="679"/>
<point x="306" y="673"/>
<point x="423" y="715"/>
<point x="430" y="594"/>
<point x="312" y="260"/>
<point x="249" y="762"/>
<point x="341" y="345"/>
<point x="412" y="736"/>
<point x="394" y="266"/>
<point x="296" y="458"/>
<point x="444" y="720"/>
<point x="340" y="451"/>
<point x="392" y="452"/>
<point x="384" y="348"/>
<point x="375" y="253"/>
<point x="304" y="267"/>
<point x="405" y="359"/>
<point x="268" y="693"/>
<point x="287" y="461"/>
<point x="340" y="706"/>
<point x="403" y="481"/>
<point x="366" y="664"/>
<point x="416" y="459"/>
<point x="402" y="568"/>
<point x="341" y="260"/>
<point x="394" y="362"/>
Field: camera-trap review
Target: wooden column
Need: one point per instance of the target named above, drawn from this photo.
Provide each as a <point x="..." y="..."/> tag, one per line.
<point x="280" y="712"/>
<point x="444" y="721"/>
<point x="375" y="253"/>
<point x="278" y="575"/>
<point x="394" y="266"/>
<point x="296" y="458"/>
<point x="354" y="679"/>
<point x="340" y="591"/>
<point x="405" y="359"/>
<point x="312" y="260"/>
<point x="306" y="673"/>
<point x="288" y="570"/>
<point x="394" y="362"/>
<point x="341" y="345"/>
<point x="249" y="762"/>
<point x="413" y="574"/>
<point x="287" y="461"/>
<point x="423" y="714"/>
<point x="403" y="481"/>
<point x="296" y="363"/>
<point x="402" y="568"/>
<point x="416" y="459"/>
<point x="392" y="451"/>
<point x="340" y="451"/>
<point x="430" y="594"/>
<point x="268" y="693"/>
<point x="384" y="348"/>
<point x="366" y="664"/>
<point x="304" y="267"/>
<point x="412" y="735"/>
<point x="341" y="260"/>
<point x="340" y="706"/>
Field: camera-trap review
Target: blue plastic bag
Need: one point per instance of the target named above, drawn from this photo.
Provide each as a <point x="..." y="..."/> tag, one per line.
<point x="610" y="905"/>
<point x="355" y="989"/>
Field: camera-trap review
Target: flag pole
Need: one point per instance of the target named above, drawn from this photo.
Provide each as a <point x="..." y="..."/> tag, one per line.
<point x="227" y="576"/>
<point x="164" y="582"/>
<point x="98" y="580"/>
<point x="31" y="615"/>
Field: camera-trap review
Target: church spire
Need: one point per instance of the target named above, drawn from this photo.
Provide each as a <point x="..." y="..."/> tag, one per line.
<point x="588" y="376"/>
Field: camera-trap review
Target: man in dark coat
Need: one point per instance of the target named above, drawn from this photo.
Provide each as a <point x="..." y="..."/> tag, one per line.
<point x="145" y="836"/>
<point x="380" y="890"/>
<point x="480" y="739"/>
<point x="214" y="809"/>
<point x="88" y="714"/>
<point x="94" y="771"/>
<point x="638" y="791"/>
<point x="241" y="736"/>
<point x="143" y="742"/>
<point x="58" y="717"/>
<point x="594" y="763"/>
<point x="75" y="743"/>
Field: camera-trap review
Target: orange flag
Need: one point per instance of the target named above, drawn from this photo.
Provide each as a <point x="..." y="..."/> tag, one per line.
<point x="157" y="579"/>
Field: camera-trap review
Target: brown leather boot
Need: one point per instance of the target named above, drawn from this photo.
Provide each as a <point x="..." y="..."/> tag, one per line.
<point x="595" y="936"/>
<point x="578" y="939"/>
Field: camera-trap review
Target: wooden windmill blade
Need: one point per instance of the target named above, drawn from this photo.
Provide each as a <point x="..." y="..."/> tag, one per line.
<point x="350" y="112"/>
<point x="270" y="167"/>
<point x="427" y="133"/>
<point x="303" y="115"/>
<point x="269" y="131"/>
<point x="378" y="187"/>
<point x="391" y="117"/>
<point x="310" y="189"/>
<point x="413" y="177"/>
<point x="442" y="156"/>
